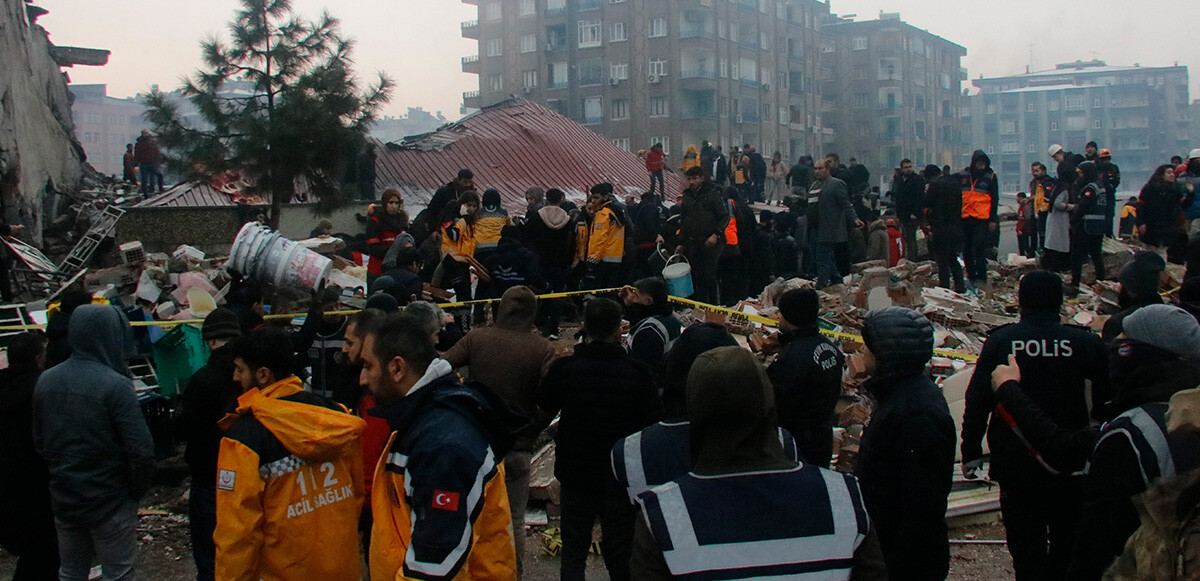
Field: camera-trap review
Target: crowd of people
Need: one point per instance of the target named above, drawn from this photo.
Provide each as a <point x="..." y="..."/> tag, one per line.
<point x="404" y="434"/>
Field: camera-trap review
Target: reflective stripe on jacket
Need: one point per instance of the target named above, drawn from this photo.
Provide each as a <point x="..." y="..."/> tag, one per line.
<point x="801" y="523"/>
<point x="289" y="488"/>
<point x="606" y="238"/>
<point x="458" y="240"/>
<point x="488" y="226"/>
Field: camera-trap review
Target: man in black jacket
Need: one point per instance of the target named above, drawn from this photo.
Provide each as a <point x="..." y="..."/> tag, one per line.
<point x="550" y="234"/>
<point x="1110" y="176"/>
<point x="807" y="377"/>
<point x="211" y="393"/>
<point x="1040" y="503"/>
<point x="429" y="219"/>
<point x="908" y="188"/>
<point x="604" y="395"/>
<point x="906" y="460"/>
<point x="649" y="219"/>
<point x="702" y="220"/>
<point x="801" y="176"/>
<point x="943" y="200"/>
<point x="26" y="519"/>
<point x="1140" y="281"/>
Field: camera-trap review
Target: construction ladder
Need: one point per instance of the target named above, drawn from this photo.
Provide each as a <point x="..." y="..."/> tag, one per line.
<point x="11" y="316"/>
<point x="87" y="245"/>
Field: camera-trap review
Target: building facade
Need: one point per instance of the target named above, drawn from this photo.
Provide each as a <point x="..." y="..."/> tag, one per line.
<point x="1141" y="113"/>
<point x="104" y="125"/>
<point x="891" y="91"/>
<point x="675" y="72"/>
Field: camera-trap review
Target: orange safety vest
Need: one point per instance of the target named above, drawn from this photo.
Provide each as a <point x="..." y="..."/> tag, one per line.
<point x="976" y="204"/>
<point x="731" y="231"/>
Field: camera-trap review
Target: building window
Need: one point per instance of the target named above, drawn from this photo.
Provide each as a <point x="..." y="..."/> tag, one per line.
<point x="723" y="107"/>
<point x="990" y="109"/>
<point x="859" y="43"/>
<point x="529" y="79"/>
<point x="764" y="42"/>
<point x="723" y="67"/>
<point x="593" y="110"/>
<point x="495" y="83"/>
<point x="860" y="72"/>
<point x="1030" y="107"/>
<point x="528" y="7"/>
<point x="1097" y="102"/>
<point x="623" y="142"/>
<point x="589" y="33"/>
<point x="495" y="46"/>
<point x="860" y="99"/>
<point x="619" y="72"/>
<point x="1098" y="124"/>
<point x="658" y="27"/>
<point x="1054" y="126"/>
<point x="618" y="32"/>
<point x="1032" y="147"/>
<point x="1008" y="127"/>
<point x="665" y="141"/>
<point x="658" y="68"/>
<point x="620" y="109"/>
<point x="659" y="107"/>
<point x="1074" y="103"/>
<point x="529" y="43"/>
<point x="720" y="28"/>
<point x="1010" y="146"/>
<point x="591" y="71"/>
<point x="558" y="75"/>
<point x="492" y="11"/>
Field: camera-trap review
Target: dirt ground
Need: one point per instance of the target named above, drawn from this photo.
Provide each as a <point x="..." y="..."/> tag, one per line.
<point x="164" y="550"/>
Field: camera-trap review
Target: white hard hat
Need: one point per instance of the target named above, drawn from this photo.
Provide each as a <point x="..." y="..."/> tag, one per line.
<point x="1195" y="154"/>
<point x="1054" y="149"/>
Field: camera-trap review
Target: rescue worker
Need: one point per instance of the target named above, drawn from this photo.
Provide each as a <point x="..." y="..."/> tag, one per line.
<point x="320" y="339"/>
<point x="792" y="519"/>
<point x="703" y="219"/>
<point x="492" y="218"/>
<point x="1129" y="220"/>
<point x="1090" y="219"/>
<point x="1040" y="503"/>
<point x="807" y="377"/>
<point x="906" y="459"/>
<point x="602" y="248"/>
<point x="290" y="465"/>
<point x="458" y="247"/>
<point x="980" y="199"/>
<point x="1110" y="176"/>
<point x="439" y="503"/>
<point x="1040" y="188"/>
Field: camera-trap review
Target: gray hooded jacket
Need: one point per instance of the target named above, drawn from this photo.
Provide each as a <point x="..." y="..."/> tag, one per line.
<point x="87" y="423"/>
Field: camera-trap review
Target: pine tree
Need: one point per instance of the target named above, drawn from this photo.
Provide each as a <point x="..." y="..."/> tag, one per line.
<point x="304" y="117"/>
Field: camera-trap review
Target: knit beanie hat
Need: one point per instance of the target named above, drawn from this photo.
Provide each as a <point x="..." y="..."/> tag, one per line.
<point x="1140" y="278"/>
<point x="383" y="301"/>
<point x="931" y="171"/>
<point x="1041" y="290"/>
<point x="222" y="323"/>
<point x="799" y="306"/>
<point x="1167" y="327"/>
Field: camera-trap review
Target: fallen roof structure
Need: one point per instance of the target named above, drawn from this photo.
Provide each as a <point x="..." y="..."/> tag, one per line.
<point x="511" y="146"/>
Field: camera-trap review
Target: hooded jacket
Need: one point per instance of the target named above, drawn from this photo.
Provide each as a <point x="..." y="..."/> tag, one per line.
<point x="211" y="394"/>
<point x="703" y="213"/>
<point x="290" y="465"/>
<point x="382" y="230"/>
<point x="943" y="199"/>
<point x="512" y="265"/>
<point x="492" y="218"/>
<point x="807" y="377"/>
<point x="792" y="518"/>
<point x="550" y="234"/>
<point x="509" y="358"/>
<point x="907" y="449"/>
<point x="439" y="503"/>
<point x="87" y="423"/>
<point x="980" y="189"/>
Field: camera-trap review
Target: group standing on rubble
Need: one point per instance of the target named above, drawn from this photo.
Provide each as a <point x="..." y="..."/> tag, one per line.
<point x="695" y="457"/>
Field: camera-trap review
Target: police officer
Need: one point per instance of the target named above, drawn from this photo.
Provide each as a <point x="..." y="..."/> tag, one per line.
<point x="1110" y="176"/>
<point x="1092" y="221"/>
<point x="784" y="519"/>
<point x="1039" y="504"/>
<point x="807" y="377"/>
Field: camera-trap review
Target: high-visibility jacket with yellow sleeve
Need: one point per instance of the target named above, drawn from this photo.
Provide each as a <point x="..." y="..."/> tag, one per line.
<point x="458" y="240"/>
<point x="488" y="226"/>
<point x="289" y="488"/>
<point x="606" y="237"/>
<point x="439" y="504"/>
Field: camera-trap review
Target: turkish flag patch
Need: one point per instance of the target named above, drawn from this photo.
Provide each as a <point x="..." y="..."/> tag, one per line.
<point x="445" y="500"/>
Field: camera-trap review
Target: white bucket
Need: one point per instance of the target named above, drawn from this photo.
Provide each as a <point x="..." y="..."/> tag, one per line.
<point x="679" y="278"/>
<point x="269" y="257"/>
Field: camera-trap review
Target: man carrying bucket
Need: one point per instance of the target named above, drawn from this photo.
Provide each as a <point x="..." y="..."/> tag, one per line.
<point x="703" y="216"/>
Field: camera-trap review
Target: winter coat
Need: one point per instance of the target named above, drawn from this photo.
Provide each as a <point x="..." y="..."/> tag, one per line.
<point x="290" y="464"/>
<point x="439" y="503"/>
<point x="703" y="213"/>
<point x="807" y="378"/>
<point x="908" y="192"/>
<point x="800" y="177"/>
<point x="943" y="199"/>
<point x="649" y="222"/>
<point x="511" y="264"/>
<point x="87" y="423"/>
<point x="25" y="480"/>
<point x="1161" y="212"/>
<point x="691" y="159"/>
<point x="786" y="254"/>
<point x="877" y="241"/>
<point x="835" y="215"/>
<point x="1058" y="223"/>
<point x="1056" y="363"/>
<point x="509" y="358"/>
<point x="211" y="394"/>
<point x="980" y="190"/>
<point x="651" y="336"/>
<point x="604" y="395"/>
<point x="146" y="150"/>
<point x="550" y="234"/>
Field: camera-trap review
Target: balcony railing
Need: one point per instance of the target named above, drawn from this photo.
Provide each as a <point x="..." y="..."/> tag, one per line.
<point x="695" y="33"/>
<point x="697" y="74"/>
<point x="470" y="29"/>
<point x="748" y="118"/>
<point x="750" y="83"/>
<point x="592" y="120"/>
<point x="470" y="59"/>
<point x="697" y="115"/>
<point x="470" y="95"/>
<point x="558" y="85"/>
<point x="555" y="11"/>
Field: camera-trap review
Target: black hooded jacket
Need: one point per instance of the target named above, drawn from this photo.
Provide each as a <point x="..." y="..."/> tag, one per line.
<point x="24" y="479"/>
<point x="807" y="377"/>
<point x="982" y="181"/>
<point x="211" y="393"/>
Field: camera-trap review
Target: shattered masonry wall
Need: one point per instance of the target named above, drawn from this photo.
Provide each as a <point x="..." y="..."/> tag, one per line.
<point x="38" y="151"/>
<point x="213" y="229"/>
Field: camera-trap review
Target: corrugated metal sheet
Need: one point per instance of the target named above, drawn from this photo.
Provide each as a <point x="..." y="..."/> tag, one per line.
<point x="511" y="146"/>
<point x="198" y="195"/>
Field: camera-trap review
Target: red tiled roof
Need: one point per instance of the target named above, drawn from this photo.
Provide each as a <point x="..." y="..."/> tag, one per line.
<point x="511" y="146"/>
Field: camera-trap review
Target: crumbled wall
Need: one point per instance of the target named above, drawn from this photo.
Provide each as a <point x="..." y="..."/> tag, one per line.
<point x="38" y="151"/>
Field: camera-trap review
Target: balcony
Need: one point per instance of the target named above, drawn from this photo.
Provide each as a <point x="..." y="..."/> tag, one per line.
<point x="698" y="114"/>
<point x="470" y="29"/>
<point x="750" y="5"/>
<point x="557" y="85"/>
<point x="591" y="120"/>
<point x="795" y="56"/>
<point x="470" y="64"/>
<point x="559" y="11"/>
<point x="750" y="83"/>
<point x="556" y="46"/>
<point x="748" y="118"/>
<point x="685" y="33"/>
<point x="472" y="100"/>
<point x="700" y="74"/>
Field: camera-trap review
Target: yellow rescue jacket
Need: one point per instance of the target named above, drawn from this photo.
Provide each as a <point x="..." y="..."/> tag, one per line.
<point x="458" y="240"/>
<point x="487" y="228"/>
<point x="289" y="488"/>
<point x="606" y="238"/>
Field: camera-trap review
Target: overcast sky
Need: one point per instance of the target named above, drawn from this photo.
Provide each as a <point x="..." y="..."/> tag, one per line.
<point x="418" y="42"/>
